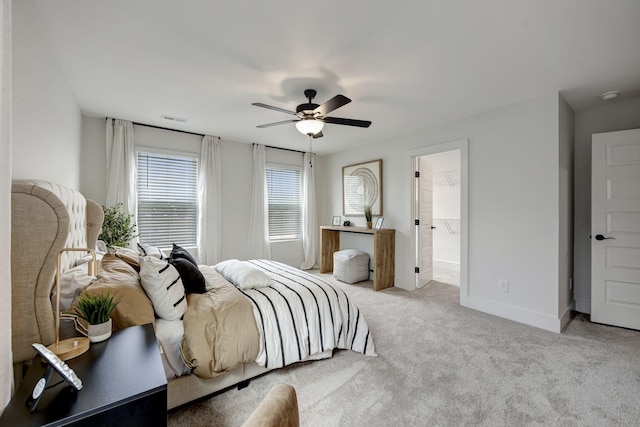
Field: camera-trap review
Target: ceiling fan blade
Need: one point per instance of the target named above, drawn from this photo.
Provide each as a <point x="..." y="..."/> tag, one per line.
<point x="318" y="135"/>
<point x="348" y="122"/>
<point x="268" y="125"/>
<point x="271" y="107"/>
<point x="335" y="102"/>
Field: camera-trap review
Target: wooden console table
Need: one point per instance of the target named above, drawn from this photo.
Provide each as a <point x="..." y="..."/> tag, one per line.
<point x="384" y="252"/>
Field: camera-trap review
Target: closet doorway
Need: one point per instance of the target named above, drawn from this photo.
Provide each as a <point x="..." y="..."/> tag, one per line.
<point x="438" y="215"/>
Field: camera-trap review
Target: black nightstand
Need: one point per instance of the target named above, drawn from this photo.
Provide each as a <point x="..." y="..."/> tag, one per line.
<point x="124" y="384"/>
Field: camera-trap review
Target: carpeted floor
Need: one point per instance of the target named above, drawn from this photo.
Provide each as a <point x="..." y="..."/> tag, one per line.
<point x="440" y="364"/>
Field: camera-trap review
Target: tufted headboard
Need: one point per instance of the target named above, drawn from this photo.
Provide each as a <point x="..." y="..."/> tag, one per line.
<point x="45" y="218"/>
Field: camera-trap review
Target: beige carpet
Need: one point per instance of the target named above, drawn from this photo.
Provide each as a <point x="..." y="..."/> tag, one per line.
<point x="440" y="364"/>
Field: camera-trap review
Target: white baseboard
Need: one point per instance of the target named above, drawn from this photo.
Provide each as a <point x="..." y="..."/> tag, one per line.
<point x="528" y="317"/>
<point x="448" y="264"/>
<point x="565" y="319"/>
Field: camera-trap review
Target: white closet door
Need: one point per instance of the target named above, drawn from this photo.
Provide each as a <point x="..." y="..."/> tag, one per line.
<point x="615" y="229"/>
<point x="424" y="233"/>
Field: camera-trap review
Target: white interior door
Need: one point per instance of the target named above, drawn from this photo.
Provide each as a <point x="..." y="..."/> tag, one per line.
<point x="615" y="229"/>
<point x="424" y="234"/>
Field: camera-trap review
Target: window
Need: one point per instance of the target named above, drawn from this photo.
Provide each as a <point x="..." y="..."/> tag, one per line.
<point x="167" y="198"/>
<point x="285" y="210"/>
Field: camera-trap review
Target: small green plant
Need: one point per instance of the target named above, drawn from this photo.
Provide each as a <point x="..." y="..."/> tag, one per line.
<point x="118" y="227"/>
<point x="367" y="213"/>
<point x="95" y="309"/>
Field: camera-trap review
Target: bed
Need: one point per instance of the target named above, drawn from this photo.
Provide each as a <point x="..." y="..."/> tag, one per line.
<point x="251" y="317"/>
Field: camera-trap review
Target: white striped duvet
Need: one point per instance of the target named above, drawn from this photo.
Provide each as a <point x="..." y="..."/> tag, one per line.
<point x="302" y="315"/>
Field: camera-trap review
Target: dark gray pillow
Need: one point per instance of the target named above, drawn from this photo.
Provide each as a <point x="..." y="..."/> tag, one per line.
<point x="192" y="278"/>
<point x="180" y="252"/>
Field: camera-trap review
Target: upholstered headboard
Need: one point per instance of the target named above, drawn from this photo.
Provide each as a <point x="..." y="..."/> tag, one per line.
<point x="45" y="218"/>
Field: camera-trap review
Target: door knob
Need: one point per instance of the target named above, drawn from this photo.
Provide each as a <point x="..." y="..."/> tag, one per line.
<point x="432" y="227"/>
<point x="601" y="237"/>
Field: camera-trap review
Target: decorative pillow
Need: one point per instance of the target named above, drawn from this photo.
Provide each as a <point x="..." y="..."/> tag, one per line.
<point x="192" y="278"/>
<point x="190" y="274"/>
<point x="164" y="287"/>
<point x="128" y="255"/>
<point x="122" y="280"/>
<point x="85" y="259"/>
<point x="148" y="250"/>
<point x="180" y="252"/>
<point x="101" y="246"/>
<point x="244" y="275"/>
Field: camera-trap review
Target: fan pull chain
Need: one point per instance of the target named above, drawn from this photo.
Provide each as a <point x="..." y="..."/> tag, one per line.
<point x="310" y="150"/>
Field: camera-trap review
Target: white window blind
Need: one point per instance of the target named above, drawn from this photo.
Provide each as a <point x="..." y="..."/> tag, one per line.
<point x="167" y="199"/>
<point x="283" y="187"/>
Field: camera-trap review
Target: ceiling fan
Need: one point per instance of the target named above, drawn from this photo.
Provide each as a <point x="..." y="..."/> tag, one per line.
<point x="312" y="117"/>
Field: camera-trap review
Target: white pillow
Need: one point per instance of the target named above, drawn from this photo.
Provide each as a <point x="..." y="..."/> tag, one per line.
<point x="243" y="274"/>
<point x="148" y="250"/>
<point x="224" y="264"/>
<point x="72" y="282"/>
<point x="169" y="334"/>
<point x="85" y="259"/>
<point x="161" y="281"/>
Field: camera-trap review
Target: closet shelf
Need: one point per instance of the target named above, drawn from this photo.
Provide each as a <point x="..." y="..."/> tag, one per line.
<point x="448" y="178"/>
<point x="452" y="225"/>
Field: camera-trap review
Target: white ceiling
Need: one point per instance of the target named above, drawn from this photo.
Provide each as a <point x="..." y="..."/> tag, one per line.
<point x="405" y="64"/>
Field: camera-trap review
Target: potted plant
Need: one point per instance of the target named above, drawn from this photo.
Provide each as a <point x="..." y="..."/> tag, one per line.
<point x="368" y="216"/>
<point x="118" y="227"/>
<point x="96" y="311"/>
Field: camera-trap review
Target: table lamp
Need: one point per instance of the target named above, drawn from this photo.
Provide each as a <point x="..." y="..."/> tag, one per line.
<point x="72" y="347"/>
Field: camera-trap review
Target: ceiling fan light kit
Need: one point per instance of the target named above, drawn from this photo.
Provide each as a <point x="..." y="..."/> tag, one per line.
<point x="309" y="126"/>
<point x="312" y="117"/>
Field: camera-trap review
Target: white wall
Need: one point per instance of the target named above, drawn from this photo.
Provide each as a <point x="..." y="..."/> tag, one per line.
<point x="6" y="362"/>
<point x="46" y="118"/>
<point x="93" y="159"/>
<point x="237" y="170"/>
<point x="565" y="230"/>
<point x="513" y="205"/>
<point x="620" y="115"/>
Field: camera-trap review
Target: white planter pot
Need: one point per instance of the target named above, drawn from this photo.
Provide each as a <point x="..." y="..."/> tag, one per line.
<point x="101" y="332"/>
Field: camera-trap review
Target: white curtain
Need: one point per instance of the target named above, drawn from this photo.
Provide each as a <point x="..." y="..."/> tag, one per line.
<point x="6" y="355"/>
<point x="210" y="201"/>
<point x="121" y="165"/>
<point x="309" y="214"/>
<point x="259" y="246"/>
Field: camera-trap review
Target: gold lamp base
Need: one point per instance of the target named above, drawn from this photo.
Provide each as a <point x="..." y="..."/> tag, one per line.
<point x="70" y="348"/>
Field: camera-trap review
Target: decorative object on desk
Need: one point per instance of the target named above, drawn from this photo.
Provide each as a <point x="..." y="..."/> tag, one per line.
<point x="118" y="227"/>
<point x="362" y="186"/>
<point x="96" y="311"/>
<point x="72" y="347"/>
<point x="62" y="368"/>
<point x="336" y="220"/>
<point x="346" y="223"/>
<point x="367" y="215"/>
<point x="378" y="225"/>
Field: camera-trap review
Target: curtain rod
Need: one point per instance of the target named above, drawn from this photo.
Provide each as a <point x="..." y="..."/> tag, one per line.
<point x="162" y="128"/>
<point x="285" y="149"/>
<point x="199" y="134"/>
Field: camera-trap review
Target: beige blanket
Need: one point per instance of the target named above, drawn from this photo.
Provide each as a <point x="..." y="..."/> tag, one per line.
<point x="220" y="331"/>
